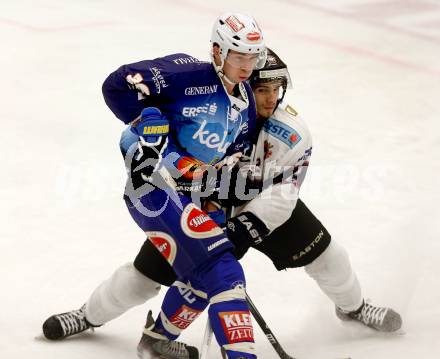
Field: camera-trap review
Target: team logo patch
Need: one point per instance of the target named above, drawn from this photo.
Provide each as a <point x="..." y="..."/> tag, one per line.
<point x="235" y="24"/>
<point x="184" y="317"/>
<point x="282" y="132"/>
<point x="237" y="326"/>
<point x="197" y="224"/>
<point x="191" y="168"/>
<point x="253" y="36"/>
<point x="165" y="244"/>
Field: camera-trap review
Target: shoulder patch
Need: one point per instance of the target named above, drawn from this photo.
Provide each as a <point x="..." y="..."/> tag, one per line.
<point x="282" y="132"/>
<point x="291" y="110"/>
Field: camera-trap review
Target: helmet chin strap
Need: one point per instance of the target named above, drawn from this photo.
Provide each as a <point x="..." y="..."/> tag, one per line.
<point x="224" y="77"/>
<point x="219" y="70"/>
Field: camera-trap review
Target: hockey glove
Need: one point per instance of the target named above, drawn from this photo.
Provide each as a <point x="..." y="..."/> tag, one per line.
<point x="235" y="187"/>
<point x="152" y="129"/>
<point x="244" y="231"/>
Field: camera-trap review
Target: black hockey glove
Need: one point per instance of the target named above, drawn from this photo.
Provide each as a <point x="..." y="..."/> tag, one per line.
<point x="234" y="187"/>
<point x="152" y="129"/>
<point x="245" y="230"/>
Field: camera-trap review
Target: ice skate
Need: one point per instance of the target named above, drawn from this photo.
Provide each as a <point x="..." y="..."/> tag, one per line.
<point x="157" y="346"/>
<point x="381" y="319"/>
<point x="60" y="326"/>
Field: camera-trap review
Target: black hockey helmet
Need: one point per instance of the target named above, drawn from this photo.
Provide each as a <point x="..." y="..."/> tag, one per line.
<point x="274" y="70"/>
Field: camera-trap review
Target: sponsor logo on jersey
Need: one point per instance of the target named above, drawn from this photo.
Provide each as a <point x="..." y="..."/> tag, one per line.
<point x="210" y="109"/>
<point x="235" y="107"/>
<point x="282" y="132"/>
<point x="191" y="168"/>
<point x="158" y="79"/>
<point x="197" y="224"/>
<point x="253" y="36"/>
<point x="186" y="60"/>
<point x="235" y="24"/>
<point x="237" y="326"/>
<point x="136" y="82"/>
<point x="156" y="130"/>
<point x="185" y="187"/>
<point x="211" y="140"/>
<point x="165" y="244"/>
<point x="201" y="90"/>
<point x="217" y="244"/>
<point x="184" y="317"/>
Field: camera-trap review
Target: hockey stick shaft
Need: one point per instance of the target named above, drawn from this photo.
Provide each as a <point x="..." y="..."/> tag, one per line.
<point x="207" y="337"/>
<point x="266" y="330"/>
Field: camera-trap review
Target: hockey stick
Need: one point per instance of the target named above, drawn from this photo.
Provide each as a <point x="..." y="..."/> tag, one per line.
<point x="267" y="331"/>
<point x="207" y="337"/>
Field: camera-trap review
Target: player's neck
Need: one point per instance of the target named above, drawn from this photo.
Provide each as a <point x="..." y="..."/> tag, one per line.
<point x="229" y="87"/>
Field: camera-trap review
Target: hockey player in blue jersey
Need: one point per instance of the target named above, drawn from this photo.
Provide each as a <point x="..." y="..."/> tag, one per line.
<point x="182" y="114"/>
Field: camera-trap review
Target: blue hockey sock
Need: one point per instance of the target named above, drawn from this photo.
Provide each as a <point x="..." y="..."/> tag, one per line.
<point x="180" y="308"/>
<point x="229" y="313"/>
<point x="231" y="321"/>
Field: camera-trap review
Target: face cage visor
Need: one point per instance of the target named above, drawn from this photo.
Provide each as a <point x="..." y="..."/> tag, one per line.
<point x="251" y="61"/>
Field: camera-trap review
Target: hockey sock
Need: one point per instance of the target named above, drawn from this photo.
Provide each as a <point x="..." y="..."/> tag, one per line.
<point x="231" y="323"/>
<point x="180" y="307"/>
<point x="228" y="312"/>
<point x="333" y="273"/>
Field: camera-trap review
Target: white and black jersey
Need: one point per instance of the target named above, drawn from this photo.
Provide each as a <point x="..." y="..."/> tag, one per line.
<point x="279" y="162"/>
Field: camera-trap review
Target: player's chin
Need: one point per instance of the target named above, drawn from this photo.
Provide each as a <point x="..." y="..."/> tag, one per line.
<point x="266" y="113"/>
<point x="244" y="75"/>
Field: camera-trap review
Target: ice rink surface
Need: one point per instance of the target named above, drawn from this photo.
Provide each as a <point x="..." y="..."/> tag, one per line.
<point x="366" y="78"/>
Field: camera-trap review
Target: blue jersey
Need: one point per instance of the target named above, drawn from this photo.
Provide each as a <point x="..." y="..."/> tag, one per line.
<point x="205" y="122"/>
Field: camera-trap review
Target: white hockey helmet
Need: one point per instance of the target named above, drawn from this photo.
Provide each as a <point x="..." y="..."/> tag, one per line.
<point x="241" y="33"/>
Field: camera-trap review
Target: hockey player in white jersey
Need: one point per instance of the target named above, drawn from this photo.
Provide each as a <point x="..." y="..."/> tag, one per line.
<point x="296" y="238"/>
